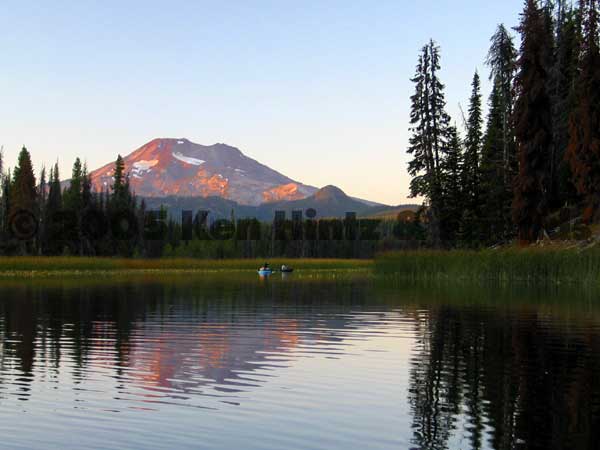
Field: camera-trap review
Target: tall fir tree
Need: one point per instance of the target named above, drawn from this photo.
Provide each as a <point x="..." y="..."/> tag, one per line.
<point x="584" y="145"/>
<point x="42" y="190"/>
<point x="453" y="194"/>
<point x="23" y="203"/>
<point x="73" y="205"/>
<point x="23" y="186"/>
<point x="498" y="156"/>
<point x="568" y="39"/>
<point x="2" y="194"/>
<point x="121" y="208"/>
<point x="119" y="194"/>
<point x="533" y="125"/>
<point x="429" y="136"/>
<point x="550" y="19"/>
<point x="471" y="169"/>
<point x="87" y="196"/>
<point x="502" y="60"/>
<point x="73" y="193"/>
<point x="496" y="195"/>
<point x="54" y="203"/>
<point x="6" y="185"/>
<point x="53" y="237"/>
<point x="42" y="197"/>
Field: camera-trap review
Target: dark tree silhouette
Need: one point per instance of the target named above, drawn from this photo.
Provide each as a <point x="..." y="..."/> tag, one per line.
<point x="533" y="125"/>
<point x="584" y="144"/>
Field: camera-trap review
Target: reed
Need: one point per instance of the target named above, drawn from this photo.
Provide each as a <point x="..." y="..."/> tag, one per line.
<point x="529" y="265"/>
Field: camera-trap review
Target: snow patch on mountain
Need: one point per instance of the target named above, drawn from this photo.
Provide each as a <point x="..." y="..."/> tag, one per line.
<point x="141" y="167"/>
<point x="187" y="159"/>
<point x="144" y="165"/>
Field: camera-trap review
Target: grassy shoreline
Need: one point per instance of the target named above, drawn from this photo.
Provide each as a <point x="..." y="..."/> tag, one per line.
<point x="48" y="266"/>
<point x="533" y="265"/>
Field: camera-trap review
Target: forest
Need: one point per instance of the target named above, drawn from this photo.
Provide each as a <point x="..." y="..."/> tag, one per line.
<point x="534" y="163"/>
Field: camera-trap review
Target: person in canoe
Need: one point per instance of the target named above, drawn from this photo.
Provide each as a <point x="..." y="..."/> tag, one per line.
<point x="286" y="269"/>
<point x="265" y="268"/>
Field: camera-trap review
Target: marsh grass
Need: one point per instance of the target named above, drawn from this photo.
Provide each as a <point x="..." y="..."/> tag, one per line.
<point x="524" y="265"/>
<point x="60" y="266"/>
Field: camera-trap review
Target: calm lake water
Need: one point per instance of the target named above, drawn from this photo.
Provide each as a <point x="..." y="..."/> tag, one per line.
<point x="300" y="363"/>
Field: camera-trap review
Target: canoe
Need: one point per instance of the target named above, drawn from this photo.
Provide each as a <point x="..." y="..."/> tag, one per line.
<point x="264" y="273"/>
<point x="290" y="270"/>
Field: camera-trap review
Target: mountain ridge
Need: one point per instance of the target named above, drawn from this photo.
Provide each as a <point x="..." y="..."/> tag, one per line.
<point x="327" y="202"/>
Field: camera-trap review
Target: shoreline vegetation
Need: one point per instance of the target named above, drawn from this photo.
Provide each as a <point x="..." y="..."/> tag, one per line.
<point x="529" y="265"/>
<point x="49" y="266"/>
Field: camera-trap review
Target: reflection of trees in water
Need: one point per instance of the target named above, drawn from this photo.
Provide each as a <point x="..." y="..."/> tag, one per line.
<point x="201" y="333"/>
<point x="504" y="380"/>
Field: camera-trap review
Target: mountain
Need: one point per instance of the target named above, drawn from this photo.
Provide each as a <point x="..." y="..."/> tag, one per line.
<point x="180" y="168"/>
<point x="329" y="201"/>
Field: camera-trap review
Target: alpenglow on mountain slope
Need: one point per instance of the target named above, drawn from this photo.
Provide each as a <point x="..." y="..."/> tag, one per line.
<point x="180" y="168"/>
<point x="327" y="202"/>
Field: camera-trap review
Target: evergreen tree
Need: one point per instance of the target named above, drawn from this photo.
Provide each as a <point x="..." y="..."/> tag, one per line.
<point x="496" y="195"/>
<point x="119" y="193"/>
<point x="53" y="237"/>
<point x="429" y="129"/>
<point x="550" y="20"/>
<point x="533" y="125"/>
<point x="453" y="201"/>
<point x="42" y="196"/>
<point x="86" y="189"/>
<point x="562" y="190"/>
<point x="498" y="155"/>
<point x="73" y="193"/>
<point x="121" y="209"/>
<point x="2" y="194"/>
<point x="23" y="187"/>
<point x="73" y="205"/>
<point x="471" y="176"/>
<point x="6" y="185"/>
<point x="23" y="201"/>
<point x="502" y="60"/>
<point x="584" y="144"/>
<point x="42" y="189"/>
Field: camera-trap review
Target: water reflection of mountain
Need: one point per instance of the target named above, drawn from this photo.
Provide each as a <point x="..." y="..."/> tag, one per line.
<point x="177" y="337"/>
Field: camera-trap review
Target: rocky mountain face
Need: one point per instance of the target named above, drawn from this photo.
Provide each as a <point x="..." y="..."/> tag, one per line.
<point x="180" y="168"/>
<point x="327" y="202"/>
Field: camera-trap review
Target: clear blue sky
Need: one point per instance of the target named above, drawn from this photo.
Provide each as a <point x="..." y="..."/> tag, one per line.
<point x="318" y="90"/>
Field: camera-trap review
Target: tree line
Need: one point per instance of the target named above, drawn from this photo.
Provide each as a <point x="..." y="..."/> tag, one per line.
<point x="536" y="155"/>
<point x="47" y="217"/>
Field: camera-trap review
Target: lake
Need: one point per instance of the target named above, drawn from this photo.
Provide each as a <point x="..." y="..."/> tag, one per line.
<point x="307" y="362"/>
